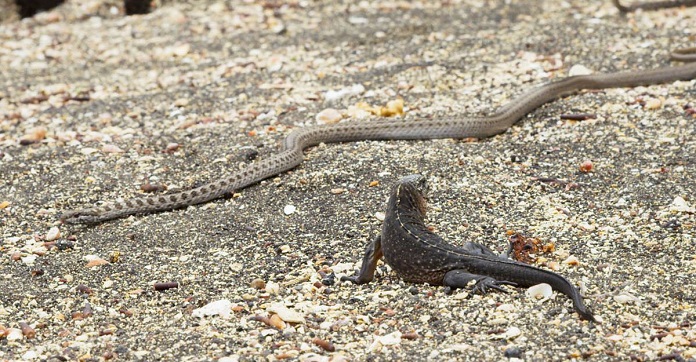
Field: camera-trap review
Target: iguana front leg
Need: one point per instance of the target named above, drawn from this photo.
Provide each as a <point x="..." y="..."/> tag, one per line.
<point x="373" y="253"/>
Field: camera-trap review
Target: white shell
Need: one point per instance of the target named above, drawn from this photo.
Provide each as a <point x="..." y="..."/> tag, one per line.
<point x="540" y="291"/>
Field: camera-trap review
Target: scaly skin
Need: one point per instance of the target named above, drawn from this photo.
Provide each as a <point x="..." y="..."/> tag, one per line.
<point x="460" y="127"/>
<point x="420" y="256"/>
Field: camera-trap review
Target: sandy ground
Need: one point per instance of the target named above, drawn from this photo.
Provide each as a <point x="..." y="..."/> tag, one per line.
<point x="94" y="104"/>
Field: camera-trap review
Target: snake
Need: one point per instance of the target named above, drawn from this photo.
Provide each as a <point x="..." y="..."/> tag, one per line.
<point x="299" y="139"/>
<point x="652" y="5"/>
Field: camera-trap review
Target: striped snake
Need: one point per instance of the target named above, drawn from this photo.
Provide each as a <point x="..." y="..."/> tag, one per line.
<point x="459" y="127"/>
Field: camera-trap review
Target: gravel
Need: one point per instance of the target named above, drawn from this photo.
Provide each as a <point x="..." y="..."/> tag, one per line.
<point x="95" y="104"/>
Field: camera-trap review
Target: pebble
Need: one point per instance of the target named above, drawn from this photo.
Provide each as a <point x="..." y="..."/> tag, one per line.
<point x="586" y="166"/>
<point x="331" y="95"/>
<point x="286" y="314"/>
<point x="88" y="151"/>
<point x="30" y="355"/>
<point x="53" y="233"/>
<point x="222" y="308"/>
<point x="579" y="69"/>
<point x="29" y="259"/>
<point x="277" y="322"/>
<point x="512" y="333"/>
<point x="328" y="116"/>
<point x="96" y="262"/>
<point x="586" y="227"/>
<point x="653" y="103"/>
<point x="181" y="102"/>
<point x="258" y="283"/>
<point x="272" y="288"/>
<point x="14" y="334"/>
<point x="386" y="79"/>
<point x="540" y="291"/>
<point x="680" y="205"/>
<point x="35" y="135"/>
<point x="506" y="307"/>
<point x="625" y="298"/>
<point x="268" y="332"/>
<point x="112" y="149"/>
<point x="571" y="260"/>
<point x="390" y="339"/>
<point x="513" y="352"/>
<point x="289" y="209"/>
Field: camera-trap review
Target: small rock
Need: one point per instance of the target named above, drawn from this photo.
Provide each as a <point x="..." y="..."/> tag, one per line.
<point x="358" y="20"/>
<point x="171" y="147"/>
<point x="272" y="288"/>
<point x="390" y="339"/>
<point x="287" y="315"/>
<point x="625" y="298"/>
<point x="220" y="307"/>
<point x="586" y="227"/>
<point x="328" y="116"/>
<point x="29" y="355"/>
<point x="578" y="69"/>
<point x="111" y="149"/>
<point x="653" y="103"/>
<point x="181" y="102"/>
<point x="512" y="333"/>
<point x="506" y="307"/>
<point x="53" y="233"/>
<point x="63" y="245"/>
<point x="276" y="321"/>
<point x="289" y="209"/>
<point x="513" y="352"/>
<point x="29" y="259"/>
<point x="540" y="291"/>
<point x="88" y="151"/>
<point x="586" y="166"/>
<point x="14" y="334"/>
<point x="571" y="260"/>
<point x="258" y="284"/>
<point x="553" y="265"/>
<point x="96" y="261"/>
<point x="34" y="136"/>
<point x="345" y="92"/>
<point x="268" y="332"/>
<point x="180" y="50"/>
<point x="680" y="205"/>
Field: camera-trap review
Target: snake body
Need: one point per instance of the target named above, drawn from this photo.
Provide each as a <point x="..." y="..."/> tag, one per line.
<point x="652" y="5"/>
<point x="461" y="127"/>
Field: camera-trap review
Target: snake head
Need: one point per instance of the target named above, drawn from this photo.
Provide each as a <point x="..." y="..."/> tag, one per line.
<point x="82" y="216"/>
